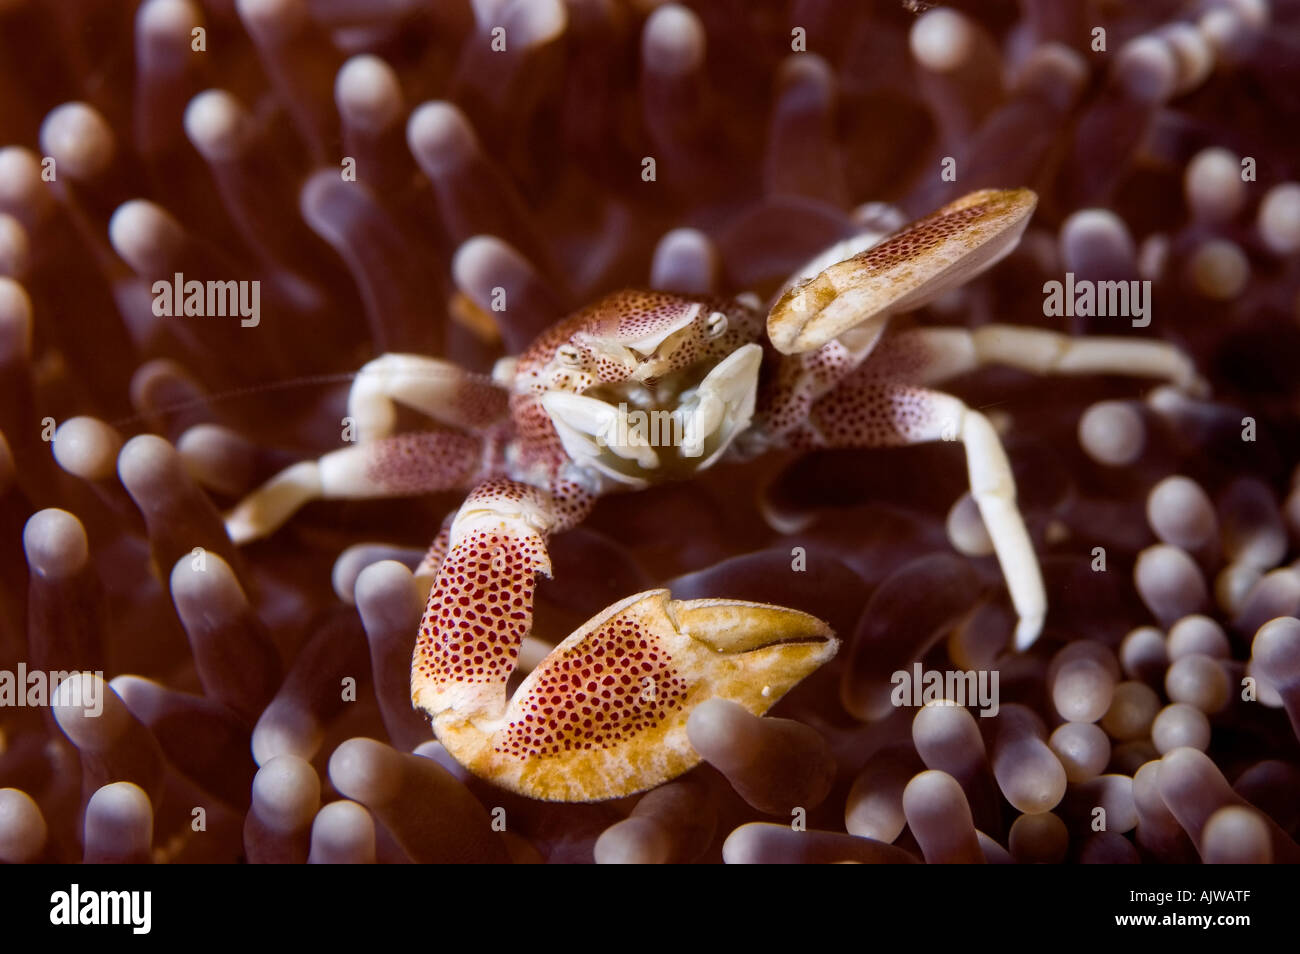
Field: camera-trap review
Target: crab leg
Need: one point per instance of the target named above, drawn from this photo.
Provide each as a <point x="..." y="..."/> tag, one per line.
<point x="870" y="412"/>
<point x="441" y="390"/>
<point x="380" y="464"/>
<point x="400" y="466"/>
<point x="604" y="714"/>
<point x="849" y="383"/>
<point x="940" y="353"/>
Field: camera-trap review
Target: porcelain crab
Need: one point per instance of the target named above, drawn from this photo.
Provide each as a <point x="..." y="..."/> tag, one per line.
<point x="604" y="714"/>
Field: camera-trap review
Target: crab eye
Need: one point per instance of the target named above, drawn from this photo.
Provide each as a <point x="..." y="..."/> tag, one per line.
<point x="716" y="324"/>
<point x="568" y="355"/>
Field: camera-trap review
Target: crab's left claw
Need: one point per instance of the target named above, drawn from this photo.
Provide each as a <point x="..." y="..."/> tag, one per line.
<point x="604" y="715"/>
<point x="902" y="273"/>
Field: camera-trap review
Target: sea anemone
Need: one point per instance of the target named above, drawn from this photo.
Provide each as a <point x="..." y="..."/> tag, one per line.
<point x="385" y="172"/>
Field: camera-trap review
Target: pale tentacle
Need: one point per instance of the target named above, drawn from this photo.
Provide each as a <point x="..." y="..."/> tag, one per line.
<point x="604" y="714"/>
<point x="400" y="466"/>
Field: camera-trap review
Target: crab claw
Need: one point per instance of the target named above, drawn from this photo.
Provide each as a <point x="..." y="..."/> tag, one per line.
<point x="902" y="273"/>
<point x="604" y="715"/>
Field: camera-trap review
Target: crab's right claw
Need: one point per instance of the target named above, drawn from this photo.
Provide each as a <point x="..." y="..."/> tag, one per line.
<point x="604" y="715"/>
<point x="902" y="273"/>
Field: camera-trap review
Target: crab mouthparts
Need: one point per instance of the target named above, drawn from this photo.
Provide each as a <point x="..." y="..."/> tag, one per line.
<point x="637" y="432"/>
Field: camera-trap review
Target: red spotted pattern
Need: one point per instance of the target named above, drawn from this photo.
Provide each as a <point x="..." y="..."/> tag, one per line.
<point x="437" y="551"/>
<point x="480" y="609"/>
<point x="820" y="399"/>
<point x="925" y="235"/>
<point x="423" y="462"/>
<point x="871" y="408"/>
<point x="620" y="319"/>
<point x="799" y="382"/>
<point x="478" y="403"/>
<point x="617" y="682"/>
<point x="977" y="216"/>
